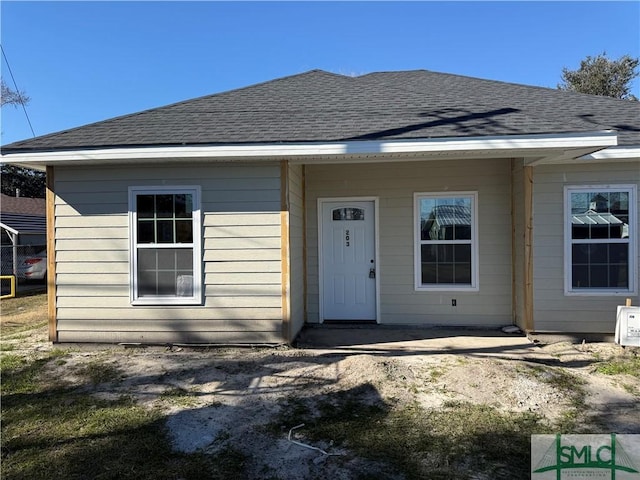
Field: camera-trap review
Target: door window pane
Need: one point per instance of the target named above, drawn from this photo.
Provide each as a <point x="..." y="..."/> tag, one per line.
<point x="347" y="213"/>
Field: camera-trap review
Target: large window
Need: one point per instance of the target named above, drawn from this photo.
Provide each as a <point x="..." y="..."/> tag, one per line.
<point x="165" y="245"/>
<point x="600" y="234"/>
<point x="446" y="241"/>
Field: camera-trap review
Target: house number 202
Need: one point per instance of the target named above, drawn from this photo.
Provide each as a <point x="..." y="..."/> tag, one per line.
<point x="347" y="238"/>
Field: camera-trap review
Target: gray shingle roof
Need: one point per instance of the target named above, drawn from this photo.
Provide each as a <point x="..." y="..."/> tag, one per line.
<point x="319" y="106"/>
<point x="22" y="205"/>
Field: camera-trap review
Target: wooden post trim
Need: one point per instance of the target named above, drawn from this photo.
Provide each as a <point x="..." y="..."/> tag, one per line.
<point x="284" y="251"/>
<point x="304" y="241"/>
<point x="528" y="248"/>
<point x="514" y="293"/>
<point x="51" y="255"/>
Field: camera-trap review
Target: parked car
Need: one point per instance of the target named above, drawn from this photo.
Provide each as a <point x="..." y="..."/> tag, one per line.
<point x="34" y="267"/>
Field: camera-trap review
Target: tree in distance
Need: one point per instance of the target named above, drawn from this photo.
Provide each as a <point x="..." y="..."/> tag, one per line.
<point x="8" y="96"/>
<point x="602" y="76"/>
<point x="19" y="180"/>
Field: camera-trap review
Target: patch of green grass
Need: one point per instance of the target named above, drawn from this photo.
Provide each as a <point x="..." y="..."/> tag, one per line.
<point x="620" y="366"/>
<point x="435" y="374"/>
<point x="11" y="361"/>
<point x="53" y="432"/>
<point x="7" y="347"/>
<point x="98" y="372"/>
<point x="420" y="443"/>
<point x="180" y="396"/>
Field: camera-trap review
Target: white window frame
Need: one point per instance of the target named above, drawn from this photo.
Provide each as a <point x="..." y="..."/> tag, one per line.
<point x="196" y="246"/>
<point x="632" y="241"/>
<point x="417" y="255"/>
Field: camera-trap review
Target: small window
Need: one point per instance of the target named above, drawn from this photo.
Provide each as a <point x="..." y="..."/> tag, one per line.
<point x="165" y="245"/>
<point x="599" y="240"/>
<point x="348" y="213"/>
<point x="446" y="241"/>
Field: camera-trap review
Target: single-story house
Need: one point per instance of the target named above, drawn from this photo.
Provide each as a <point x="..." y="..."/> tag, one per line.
<point x="396" y="198"/>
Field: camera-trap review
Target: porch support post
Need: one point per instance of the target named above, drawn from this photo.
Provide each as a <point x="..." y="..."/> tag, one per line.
<point x="51" y="255"/>
<point x="528" y="248"/>
<point x="284" y="251"/>
<point x="304" y="240"/>
<point x="14" y="252"/>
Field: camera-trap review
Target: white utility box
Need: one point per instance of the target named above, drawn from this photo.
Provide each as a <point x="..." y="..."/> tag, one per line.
<point x="628" y="326"/>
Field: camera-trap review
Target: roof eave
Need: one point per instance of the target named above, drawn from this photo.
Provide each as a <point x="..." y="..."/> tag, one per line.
<point x="537" y="146"/>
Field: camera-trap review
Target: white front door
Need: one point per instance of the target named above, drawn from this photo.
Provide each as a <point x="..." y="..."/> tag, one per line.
<point x="348" y="254"/>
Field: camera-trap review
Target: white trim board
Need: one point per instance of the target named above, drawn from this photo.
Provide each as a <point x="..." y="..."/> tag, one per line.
<point x="307" y="152"/>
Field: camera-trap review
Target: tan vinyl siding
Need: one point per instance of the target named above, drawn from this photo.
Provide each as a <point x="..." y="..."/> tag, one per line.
<point x="296" y="246"/>
<point x="241" y="254"/>
<point x="394" y="185"/>
<point x="555" y="311"/>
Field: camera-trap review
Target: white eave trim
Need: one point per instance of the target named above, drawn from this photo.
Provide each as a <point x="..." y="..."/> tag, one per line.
<point x="589" y="140"/>
<point x="614" y="154"/>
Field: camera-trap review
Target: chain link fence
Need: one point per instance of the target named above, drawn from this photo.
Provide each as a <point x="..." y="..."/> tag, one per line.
<point x="23" y="252"/>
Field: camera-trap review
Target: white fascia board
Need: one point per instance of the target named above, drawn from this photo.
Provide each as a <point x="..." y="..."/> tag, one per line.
<point x="614" y="153"/>
<point x="595" y="140"/>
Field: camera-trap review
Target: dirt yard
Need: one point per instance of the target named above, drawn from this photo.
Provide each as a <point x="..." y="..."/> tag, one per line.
<point x="257" y="398"/>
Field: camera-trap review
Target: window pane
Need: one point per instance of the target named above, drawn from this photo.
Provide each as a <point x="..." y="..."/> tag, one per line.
<point x="446" y="264"/>
<point x="147" y="259"/>
<point x="348" y="213"/>
<point x="147" y="270"/>
<point x="580" y="276"/>
<point x="165" y="231"/>
<point x="166" y="259"/>
<point x="619" y="276"/>
<point x="164" y="206"/>
<point x="445" y="219"/>
<point x="184" y="259"/>
<point x="603" y="265"/>
<point x="184" y="231"/>
<point x="463" y="253"/>
<point x="166" y="283"/>
<point x="146" y="231"/>
<point x="145" y="206"/>
<point x="427" y="206"/>
<point x="599" y="215"/>
<point x="184" y="205"/>
<point x="165" y="272"/>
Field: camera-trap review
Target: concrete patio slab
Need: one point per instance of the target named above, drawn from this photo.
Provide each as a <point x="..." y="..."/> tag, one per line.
<point x="414" y="340"/>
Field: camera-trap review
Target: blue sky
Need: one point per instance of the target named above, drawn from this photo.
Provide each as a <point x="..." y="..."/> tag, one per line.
<point x="82" y="62"/>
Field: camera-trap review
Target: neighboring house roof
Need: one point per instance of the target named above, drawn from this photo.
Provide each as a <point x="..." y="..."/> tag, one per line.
<point x="24" y="205"/>
<point x="22" y="215"/>
<point x="23" y="224"/>
<point x="452" y="215"/>
<point x="319" y="106"/>
<point x="594" y="218"/>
